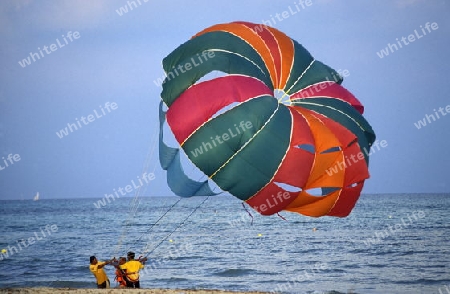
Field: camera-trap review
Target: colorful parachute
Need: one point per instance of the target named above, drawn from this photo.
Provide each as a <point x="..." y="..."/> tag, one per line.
<point x="277" y="130"/>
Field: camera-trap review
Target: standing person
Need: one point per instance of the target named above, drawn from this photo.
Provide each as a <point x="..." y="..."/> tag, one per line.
<point x="121" y="276"/>
<point x="96" y="268"/>
<point x="132" y="268"/>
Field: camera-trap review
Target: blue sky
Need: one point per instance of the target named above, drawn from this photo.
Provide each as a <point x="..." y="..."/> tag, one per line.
<point x="116" y="58"/>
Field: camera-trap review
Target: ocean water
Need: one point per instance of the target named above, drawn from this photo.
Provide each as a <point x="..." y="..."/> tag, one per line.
<point x="396" y="243"/>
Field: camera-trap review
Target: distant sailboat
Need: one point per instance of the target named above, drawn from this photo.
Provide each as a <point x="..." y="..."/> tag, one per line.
<point x="36" y="197"/>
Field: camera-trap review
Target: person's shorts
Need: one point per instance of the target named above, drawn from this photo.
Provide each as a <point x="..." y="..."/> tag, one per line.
<point x="104" y="285"/>
<point x="133" y="284"/>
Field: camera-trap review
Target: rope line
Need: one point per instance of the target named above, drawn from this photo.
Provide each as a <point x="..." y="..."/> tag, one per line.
<point x="135" y="202"/>
<point x="157" y="221"/>
<point x="248" y="212"/>
<point x="145" y="253"/>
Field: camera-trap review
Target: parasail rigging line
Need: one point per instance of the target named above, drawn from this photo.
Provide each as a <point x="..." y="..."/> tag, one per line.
<point x="133" y="208"/>
<point x="248" y="212"/>
<point x="282" y="217"/>
<point x="147" y="253"/>
<point x="157" y="221"/>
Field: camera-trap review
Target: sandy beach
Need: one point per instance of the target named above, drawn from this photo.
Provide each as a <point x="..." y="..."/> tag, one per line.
<point x="43" y="290"/>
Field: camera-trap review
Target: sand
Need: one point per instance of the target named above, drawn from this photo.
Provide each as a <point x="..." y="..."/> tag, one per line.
<point x="42" y="290"/>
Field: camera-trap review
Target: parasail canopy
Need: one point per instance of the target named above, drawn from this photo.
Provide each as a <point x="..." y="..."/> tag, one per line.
<point x="276" y="130"/>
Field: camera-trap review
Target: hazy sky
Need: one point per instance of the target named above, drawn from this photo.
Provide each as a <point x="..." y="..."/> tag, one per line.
<point x="94" y="65"/>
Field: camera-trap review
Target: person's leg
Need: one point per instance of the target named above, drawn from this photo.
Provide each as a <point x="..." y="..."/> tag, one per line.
<point x="102" y="285"/>
<point x="137" y="285"/>
<point x="107" y="285"/>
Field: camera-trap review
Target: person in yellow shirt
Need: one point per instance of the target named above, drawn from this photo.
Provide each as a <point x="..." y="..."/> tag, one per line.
<point x="132" y="268"/>
<point x="96" y="268"/>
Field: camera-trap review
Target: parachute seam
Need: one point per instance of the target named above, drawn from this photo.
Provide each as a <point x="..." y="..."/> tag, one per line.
<point x="282" y="160"/>
<point x="242" y="56"/>
<point x="337" y="200"/>
<point x="312" y="85"/>
<point x="321" y="96"/>
<point x="246" y="143"/>
<point x="307" y="185"/>
<point x="211" y="118"/>
<point x="292" y="65"/>
<point x="313" y="164"/>
<point x="277" y="77"/>
<point x="301" y="76"/>
<point x="264" y="43"/>
<point x="361" y="127"/>
<point x="270" y="29"/>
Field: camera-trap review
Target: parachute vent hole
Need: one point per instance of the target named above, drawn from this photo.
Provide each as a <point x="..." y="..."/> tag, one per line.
<point x="282" y="97"/>
<point x="353" y="185"/>
<point x="225" y="109"/>
<point x="316" y="192"/>
<point x="332" y="149"/>
<point x="288" y="187"/>
<point x="329" y="190"/>
<point x="321" y="191"/>
<point x="307" y="147"/>
<point x="211" y="76"/>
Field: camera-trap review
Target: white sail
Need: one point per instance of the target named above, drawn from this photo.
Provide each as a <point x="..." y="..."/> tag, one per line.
<point x="36" y="197"/>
